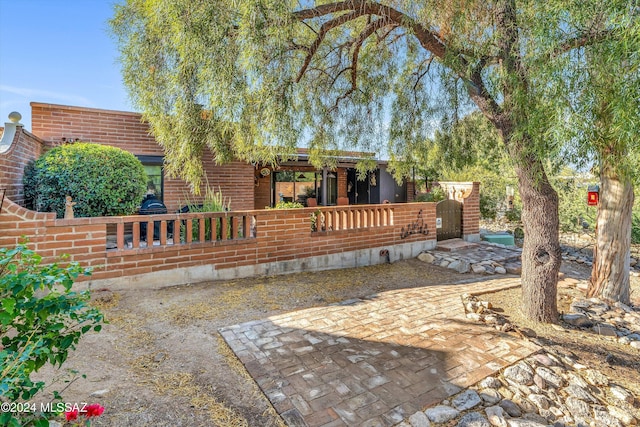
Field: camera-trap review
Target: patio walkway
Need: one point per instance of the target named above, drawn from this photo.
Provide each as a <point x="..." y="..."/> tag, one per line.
<point x="373" y="361"/>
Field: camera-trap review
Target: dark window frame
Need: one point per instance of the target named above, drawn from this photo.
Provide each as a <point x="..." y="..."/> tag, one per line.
<point x="148" y="160"/>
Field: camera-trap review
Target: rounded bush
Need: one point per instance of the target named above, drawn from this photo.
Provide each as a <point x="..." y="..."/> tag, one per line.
<point x="101" y="180"/>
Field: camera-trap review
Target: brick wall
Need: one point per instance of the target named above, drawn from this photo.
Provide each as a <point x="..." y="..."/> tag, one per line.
<point x="281" y="235"/>
<point x="24" y="148"/>
<point x="471" y="214"/>
<point x="126" y="130"/>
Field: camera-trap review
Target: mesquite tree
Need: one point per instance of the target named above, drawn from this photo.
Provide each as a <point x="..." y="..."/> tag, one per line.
<point x="254" y="78"/>
<point x="600" y="118"/>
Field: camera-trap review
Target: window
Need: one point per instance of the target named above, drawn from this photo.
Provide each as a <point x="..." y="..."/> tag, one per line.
<point x="153" y="168"/>
<point x="295" y="186"/>
<point x="298" y="186"/>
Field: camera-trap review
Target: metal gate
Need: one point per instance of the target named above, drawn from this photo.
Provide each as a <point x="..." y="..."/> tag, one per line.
<point x="448" y="220"/>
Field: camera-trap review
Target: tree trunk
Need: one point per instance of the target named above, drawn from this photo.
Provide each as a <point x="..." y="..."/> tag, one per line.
<point x="541" y="255"/>
<point x="611" y="254"/>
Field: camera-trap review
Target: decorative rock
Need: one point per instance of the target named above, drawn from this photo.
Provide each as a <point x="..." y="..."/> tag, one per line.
<point x="513" y="269"/>
<point x="635" y="344"/>
<point x="621" y="394"/>
<point x="623" y="415"/>
<point x="444" y="263"/>
<point x="510" y="407"/>
<point x="577" y="380"/>
<point x="605" y="330"/>
<point x="441" y="413"/>
<point x="575" y="390"/>
<point x="419" y="419"/>
<point x="490" y="396"/>
<point x="539" y="400"/>
<point x="520" y="373"/>
<point x="463" y="268"/>
<point x="596" y="378"/>
<point x="521" y="422"/>
<point x="466" y="400"/>
<point x="579" y="320"/>
<point x="526" y="405"/>
<point x="578" y="408"/>
<point x="539" y="382"/>
<point x="491" y="382"/>
<point x="426" y="257"/>
<point x="535" y="418"/>
<point x="478" y="269"/>
<point x="473" y="419"/>
<point x="549" y="377"/>
<point x="544" y="359"/>
<point x="496" y="416"/>
<point x="604" y="418"/>
<point x="501" y="270"/>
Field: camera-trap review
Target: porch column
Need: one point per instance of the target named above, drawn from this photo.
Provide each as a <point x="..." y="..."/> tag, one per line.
<point x="324" y="187"/>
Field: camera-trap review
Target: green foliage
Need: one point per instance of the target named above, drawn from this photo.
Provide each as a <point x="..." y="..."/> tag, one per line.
<point x="435" y="195"/>
<point x="101" y="180"/>
<point x="288" y="205"/>
<point x="41" y="320"/>
<point x="572" y="194"/>
<point x="213" y="201"/>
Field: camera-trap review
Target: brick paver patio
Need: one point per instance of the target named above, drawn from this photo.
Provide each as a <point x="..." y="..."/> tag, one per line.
<point x="373" y="361"/>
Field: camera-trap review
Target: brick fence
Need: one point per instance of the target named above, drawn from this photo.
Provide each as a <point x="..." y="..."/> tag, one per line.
<point x="245" y="243"/>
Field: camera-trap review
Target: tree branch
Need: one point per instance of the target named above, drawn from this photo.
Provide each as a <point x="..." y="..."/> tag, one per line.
<point x="368" y="31"/>
<point x="324" y="29"/>
<point x="428" y="39"/>
<point x="582" y="40"/>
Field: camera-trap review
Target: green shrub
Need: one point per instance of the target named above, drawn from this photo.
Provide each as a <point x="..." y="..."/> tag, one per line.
<point x="213" y="201"/>
<point x="635" y="229"/>
<point x="435" y="195"/>
<point x="288" y="205"/>
<point x="40" y="322"/>
<point x="101" y="180"/>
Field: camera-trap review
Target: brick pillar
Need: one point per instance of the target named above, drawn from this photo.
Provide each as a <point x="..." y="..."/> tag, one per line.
<point x="471" y="215"/>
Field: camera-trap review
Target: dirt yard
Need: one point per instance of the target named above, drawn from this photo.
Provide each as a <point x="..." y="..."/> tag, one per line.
<point x="161" y="362"/>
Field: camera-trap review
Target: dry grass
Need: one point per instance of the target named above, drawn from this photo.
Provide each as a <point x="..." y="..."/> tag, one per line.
<point x="182" y="384"/>
<point x="104" y="299"/>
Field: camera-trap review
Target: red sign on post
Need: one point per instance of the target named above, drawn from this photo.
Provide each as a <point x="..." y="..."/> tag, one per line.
<point x="593" y="195"/>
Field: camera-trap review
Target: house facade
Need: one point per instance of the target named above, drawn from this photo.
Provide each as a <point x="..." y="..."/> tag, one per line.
<point x="357" y="226"/>
<point x="247" y="186"/>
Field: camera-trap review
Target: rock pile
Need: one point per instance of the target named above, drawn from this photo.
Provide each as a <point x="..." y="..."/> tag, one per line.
<point x="481" y="311"/>
<point x="493" y="258"/>
<point x="544" y="389"/>
<point x="618" y="321"/>
<point x="585" y="256"/>
<point x="486" y="258"/>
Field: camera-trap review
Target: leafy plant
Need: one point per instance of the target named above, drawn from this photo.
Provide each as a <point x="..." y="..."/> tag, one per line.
<point x="102" y="180"/>
<point x="213" y="201"/>
<point x="41" y="320"/>
<point x="288" y="205"/>
<point x="435" y="195"/>
<point x="318" y="221"/>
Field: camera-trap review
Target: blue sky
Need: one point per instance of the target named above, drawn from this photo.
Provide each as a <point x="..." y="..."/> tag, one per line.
<point x="58" y="52"/>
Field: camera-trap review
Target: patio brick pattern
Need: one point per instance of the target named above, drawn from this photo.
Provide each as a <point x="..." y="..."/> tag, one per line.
<point x="373" y="361"/>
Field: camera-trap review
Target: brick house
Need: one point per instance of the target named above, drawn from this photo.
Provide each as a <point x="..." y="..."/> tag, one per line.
<point x="248" y="187"/>
<point x="355" y="229"/>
